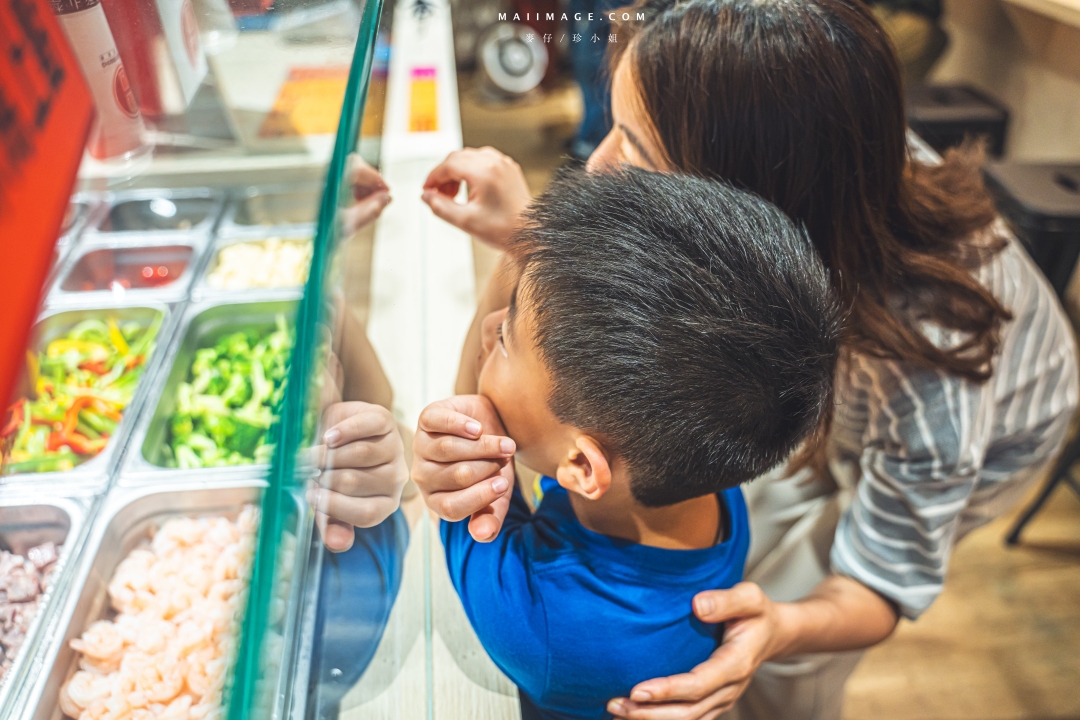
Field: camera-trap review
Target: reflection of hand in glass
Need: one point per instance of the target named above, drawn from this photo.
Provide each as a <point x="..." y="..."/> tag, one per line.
<point x="364" y="471"/>
<point x="370" y="193"/>
<point x="463" y="463"/>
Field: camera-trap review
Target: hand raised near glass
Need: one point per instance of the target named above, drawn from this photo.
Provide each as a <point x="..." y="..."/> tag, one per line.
<point x="497" y="194"/>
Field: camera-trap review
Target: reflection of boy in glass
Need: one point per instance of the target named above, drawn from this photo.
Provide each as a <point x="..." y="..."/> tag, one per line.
<point x="669" y="339"/>
<point x="357" y="591"/>
<point x="358" y="495"/>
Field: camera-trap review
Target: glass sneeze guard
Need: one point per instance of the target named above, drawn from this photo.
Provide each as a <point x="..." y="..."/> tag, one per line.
<point x="267" y="646"/>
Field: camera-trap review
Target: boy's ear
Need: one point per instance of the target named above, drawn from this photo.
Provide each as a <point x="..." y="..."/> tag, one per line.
<point x="585" y="469"/>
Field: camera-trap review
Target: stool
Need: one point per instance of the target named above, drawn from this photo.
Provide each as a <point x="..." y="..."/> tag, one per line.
<point x="1042" y="205"/>
<point x="945" y="115"/>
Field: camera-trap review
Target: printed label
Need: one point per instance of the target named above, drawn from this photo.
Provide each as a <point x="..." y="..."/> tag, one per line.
<point x="423" y="101"/>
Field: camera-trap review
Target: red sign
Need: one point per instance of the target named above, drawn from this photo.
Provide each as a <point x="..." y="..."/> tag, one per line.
<point x="45" y="115"/>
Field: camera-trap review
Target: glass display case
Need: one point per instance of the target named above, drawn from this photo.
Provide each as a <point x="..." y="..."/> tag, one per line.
<point x="217" y="303"/>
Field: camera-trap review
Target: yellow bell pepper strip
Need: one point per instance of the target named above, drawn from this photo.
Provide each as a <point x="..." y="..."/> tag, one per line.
<point x="83" y="381"/>
<point x="117" y="338"/>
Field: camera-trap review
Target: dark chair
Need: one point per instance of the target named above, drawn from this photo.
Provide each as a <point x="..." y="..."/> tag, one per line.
<point x="1042" y="204"/>
<point x="946" y="115"/>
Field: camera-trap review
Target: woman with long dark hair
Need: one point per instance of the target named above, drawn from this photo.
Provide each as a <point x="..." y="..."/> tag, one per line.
<point x="959" y="373"/>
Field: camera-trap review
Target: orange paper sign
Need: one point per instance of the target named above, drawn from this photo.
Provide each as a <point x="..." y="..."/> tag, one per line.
<point x="423" y="101"/>
<point x="45" y="114"/>
<point x="309" y="103"/>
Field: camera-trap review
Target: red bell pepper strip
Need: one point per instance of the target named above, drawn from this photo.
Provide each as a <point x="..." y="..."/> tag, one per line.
<point x="71" y="416"/>
<point x="95" y="366"/>
<point x="84" y="445"/>
<point x="18" y="412"/>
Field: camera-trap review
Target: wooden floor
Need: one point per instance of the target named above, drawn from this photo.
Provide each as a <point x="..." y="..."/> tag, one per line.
<point x="1003" y="642"/>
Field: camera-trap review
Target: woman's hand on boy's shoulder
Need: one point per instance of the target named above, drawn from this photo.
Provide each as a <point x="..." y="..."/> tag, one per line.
<point x="711" y="688"/>
<point x="463" y="463"/>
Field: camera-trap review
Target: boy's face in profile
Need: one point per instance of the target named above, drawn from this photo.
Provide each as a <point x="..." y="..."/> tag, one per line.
<point x="513" y="376"/>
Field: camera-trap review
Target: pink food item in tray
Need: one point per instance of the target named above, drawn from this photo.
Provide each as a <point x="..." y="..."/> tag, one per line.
<point x="23" y="580"/>
<point x="170" y="638"/>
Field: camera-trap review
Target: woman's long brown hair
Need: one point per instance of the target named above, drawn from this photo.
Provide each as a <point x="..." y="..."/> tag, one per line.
<point x="801" y="103"/>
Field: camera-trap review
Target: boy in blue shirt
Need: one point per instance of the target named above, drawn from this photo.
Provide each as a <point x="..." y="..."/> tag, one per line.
<point x="669" y="339"/>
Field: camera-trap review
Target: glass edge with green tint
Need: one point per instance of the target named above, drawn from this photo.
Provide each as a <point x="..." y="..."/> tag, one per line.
<point x="277" y="504"/>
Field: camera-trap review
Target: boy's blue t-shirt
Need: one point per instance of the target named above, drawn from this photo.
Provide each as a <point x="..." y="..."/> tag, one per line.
<point x="575" y="618"/>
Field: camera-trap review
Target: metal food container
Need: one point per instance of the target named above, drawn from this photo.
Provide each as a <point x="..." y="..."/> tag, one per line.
<point x="194" y="211"/>
<point x="54" y="323"/>
<point x="27" y="521"/>
<point x="258" y="208"/>
<point x="203" y="290"/>
<point x="126" y="521"/>
<point x="202" y="325"/>
<point x="156" y="267"/>
<point x="84" y="209"/>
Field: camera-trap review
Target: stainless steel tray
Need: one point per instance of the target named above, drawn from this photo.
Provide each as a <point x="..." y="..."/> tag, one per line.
<point x="191" y="211"/>
<point x="85" y="209"/>
<point x="26" y="521"/>
<point x="202" y="289"/>
<point x="138" y="248"/>
<point x="125" y="521"/>
<point x="203" y="323"/>
<point x="254" y="210"/>
<point x="55" y="322"/>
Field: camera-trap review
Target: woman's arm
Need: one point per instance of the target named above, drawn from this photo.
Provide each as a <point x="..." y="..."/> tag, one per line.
<point x="497" y="197"/>
<point x="913" y="476"/>
<point x="840" y="614"/>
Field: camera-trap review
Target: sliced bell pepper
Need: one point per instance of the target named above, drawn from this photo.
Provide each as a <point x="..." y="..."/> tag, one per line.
<point x="18" y="412"/>
<point x="117" y="338"/>
<point x="84" y="445"/>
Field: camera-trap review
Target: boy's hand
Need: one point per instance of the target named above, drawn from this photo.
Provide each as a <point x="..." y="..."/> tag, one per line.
<point x="364" y="471"/>
<point x="498" y="194"/>
<point x="463" y="463"/>
<point x="370" y="193"/>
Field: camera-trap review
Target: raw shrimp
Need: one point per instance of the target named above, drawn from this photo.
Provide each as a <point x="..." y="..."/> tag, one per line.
<point x="177" y="533"/>
<point x="248" y="522"/>
<point x="129" y="585"/>
<point x="190" y="637"/>
<point x="208" y="709"/>
<point x="153" y="635"/>
<point x="113" y="707"/>
<point x="178" y="709"/>
<point x="81" y="690"/>
<point x="222" y="533"/>
<point x="163" y="680"/>
<point x="166" y="653"/>
<point x="102" y="642"/>
<point x="228" y="564"/>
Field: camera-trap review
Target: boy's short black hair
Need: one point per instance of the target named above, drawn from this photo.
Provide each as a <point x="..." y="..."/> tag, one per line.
<point x="689" y="325"/>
